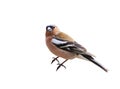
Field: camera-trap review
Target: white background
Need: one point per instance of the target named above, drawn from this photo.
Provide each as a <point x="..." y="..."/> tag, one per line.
<point x="25" y="59"/>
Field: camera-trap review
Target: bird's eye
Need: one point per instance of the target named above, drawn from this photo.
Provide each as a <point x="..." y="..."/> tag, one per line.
<point x="49" y="29"/>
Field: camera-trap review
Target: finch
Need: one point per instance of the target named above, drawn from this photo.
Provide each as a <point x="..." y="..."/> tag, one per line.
<point x="64" y="46"/>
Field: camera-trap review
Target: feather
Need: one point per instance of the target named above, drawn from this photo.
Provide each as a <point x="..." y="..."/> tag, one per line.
<point x="73" y="47"/>
<point x="91" y="59"/>
<point x="58" y="41"/>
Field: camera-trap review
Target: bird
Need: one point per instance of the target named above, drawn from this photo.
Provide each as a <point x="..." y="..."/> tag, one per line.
<point x="64" y="46"/>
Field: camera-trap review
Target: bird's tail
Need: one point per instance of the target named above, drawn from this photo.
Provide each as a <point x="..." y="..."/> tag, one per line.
<point x="90" y="57"/>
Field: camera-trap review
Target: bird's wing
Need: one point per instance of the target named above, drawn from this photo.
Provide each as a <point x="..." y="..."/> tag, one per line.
<point x="70" y="46"/>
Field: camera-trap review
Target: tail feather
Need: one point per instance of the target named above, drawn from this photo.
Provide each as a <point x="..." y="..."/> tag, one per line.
<point x="90" y="58"/>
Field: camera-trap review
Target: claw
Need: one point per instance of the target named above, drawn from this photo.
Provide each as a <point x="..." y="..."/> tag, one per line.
<point x="61" y="65"/>
<point x="55" y="58"/>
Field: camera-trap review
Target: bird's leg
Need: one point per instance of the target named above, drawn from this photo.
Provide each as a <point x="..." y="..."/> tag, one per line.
<point x="61" y="65"/>
<point x="55" y="59"/>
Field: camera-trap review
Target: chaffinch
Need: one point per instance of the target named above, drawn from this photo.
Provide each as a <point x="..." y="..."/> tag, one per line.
<point x="64" y="46"/>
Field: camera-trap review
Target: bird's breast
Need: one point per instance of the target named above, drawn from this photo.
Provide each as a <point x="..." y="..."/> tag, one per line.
<point x="57" y="51"/>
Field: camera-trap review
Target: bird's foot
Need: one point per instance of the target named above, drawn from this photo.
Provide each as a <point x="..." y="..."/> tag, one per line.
<point x="55" y="59"/>
<point x="59" y="65"/>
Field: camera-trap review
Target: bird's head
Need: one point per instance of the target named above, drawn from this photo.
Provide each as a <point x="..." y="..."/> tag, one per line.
<point x="52" y="30"/>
